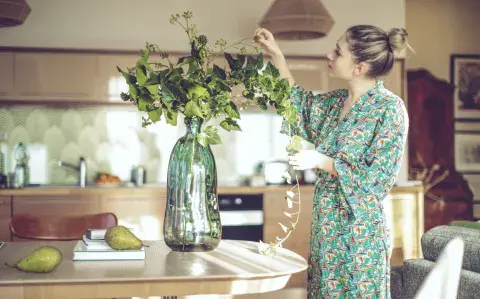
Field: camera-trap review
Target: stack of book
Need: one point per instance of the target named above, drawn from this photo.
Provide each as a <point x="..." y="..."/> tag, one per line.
<point x="94" y="248"/>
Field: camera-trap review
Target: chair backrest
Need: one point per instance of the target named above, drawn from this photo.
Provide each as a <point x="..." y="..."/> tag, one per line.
<point x="58" y="228"/>
<point x="442" y="282"/>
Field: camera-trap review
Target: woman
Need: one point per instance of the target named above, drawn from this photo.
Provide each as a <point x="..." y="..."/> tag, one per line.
<point x="359" y="135"/>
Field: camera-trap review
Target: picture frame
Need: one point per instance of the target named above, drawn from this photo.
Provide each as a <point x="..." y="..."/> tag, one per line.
<point x="467" y="147"/>
<point x="465" y="75"/>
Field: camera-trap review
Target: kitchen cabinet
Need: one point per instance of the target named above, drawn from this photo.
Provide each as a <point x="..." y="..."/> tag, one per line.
<point x="144" y="214"/>
<point x="110" y="81"/>
<point x="5" y="210"/>
<point x="64" y="77"/>
<point x="299" y="240"/>
<point x="6" y="74"/>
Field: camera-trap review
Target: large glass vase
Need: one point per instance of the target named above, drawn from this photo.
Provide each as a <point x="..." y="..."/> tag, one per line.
<point x="192" y="218"/>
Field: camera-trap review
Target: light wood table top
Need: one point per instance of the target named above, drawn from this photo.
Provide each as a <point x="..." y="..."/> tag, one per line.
<point x="235" y="267"/>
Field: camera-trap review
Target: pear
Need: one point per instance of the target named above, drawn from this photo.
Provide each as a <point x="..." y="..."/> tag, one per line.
<point x="121" y="238"/>
<point x="41" y="260"/>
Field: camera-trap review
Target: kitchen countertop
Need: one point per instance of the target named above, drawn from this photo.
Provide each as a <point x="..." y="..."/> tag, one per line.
<point x="160" y="189"/>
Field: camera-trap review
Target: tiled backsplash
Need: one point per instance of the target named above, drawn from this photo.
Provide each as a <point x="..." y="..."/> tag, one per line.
<point x="113" y="140"/>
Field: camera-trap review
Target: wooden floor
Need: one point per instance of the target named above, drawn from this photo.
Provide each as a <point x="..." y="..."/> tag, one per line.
<point x="291" y="293"/>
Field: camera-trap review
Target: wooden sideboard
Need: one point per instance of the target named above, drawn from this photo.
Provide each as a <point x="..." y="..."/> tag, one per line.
<point x="143" y="209"/>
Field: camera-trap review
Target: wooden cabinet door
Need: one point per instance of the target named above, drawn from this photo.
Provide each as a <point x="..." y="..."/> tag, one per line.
<point x="5" y="210"/>
<point x="299" y="241"/>
<point x="55" y="204"/>
<point x="111" y="81"/>
<point x="6" y="74"/>
<point x="56" y="76"/>
<point x="142" y="213"/>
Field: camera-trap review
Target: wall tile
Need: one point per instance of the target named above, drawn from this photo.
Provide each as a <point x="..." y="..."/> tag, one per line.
<point x="113" y="140"/>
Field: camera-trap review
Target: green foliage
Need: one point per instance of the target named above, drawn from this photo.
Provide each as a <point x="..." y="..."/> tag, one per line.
<point x="196" y="87"/>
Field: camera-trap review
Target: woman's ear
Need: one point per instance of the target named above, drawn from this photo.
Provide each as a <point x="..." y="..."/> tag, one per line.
<point x="361" y="69"/>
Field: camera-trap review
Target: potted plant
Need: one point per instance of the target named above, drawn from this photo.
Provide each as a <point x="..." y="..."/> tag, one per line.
<point x="201" y="91"/>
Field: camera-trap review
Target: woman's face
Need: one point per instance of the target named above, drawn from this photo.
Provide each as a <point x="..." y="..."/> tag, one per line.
<point x="341" y="63"/>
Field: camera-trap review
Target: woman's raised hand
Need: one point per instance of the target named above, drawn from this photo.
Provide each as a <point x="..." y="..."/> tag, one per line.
<point x="265" y="39"/>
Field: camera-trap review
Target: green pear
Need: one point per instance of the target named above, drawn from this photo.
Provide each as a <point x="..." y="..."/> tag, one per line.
<point x="41" y="260"/>
<point x="121" y="238"/>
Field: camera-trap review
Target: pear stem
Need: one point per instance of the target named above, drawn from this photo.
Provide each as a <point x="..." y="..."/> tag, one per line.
<point x="6" y="264"/>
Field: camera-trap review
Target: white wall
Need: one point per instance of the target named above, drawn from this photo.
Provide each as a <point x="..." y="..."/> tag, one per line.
<point x="127" y="24"/>
<point x="438" y="29"/>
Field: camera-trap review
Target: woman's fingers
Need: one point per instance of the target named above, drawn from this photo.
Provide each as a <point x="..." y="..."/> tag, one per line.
<point x="264" y="34"/>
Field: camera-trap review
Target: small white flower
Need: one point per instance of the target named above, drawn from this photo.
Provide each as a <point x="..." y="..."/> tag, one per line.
<point x="287" y="177"/>
<point x="262" y="247"/>
<point x="289" y="202"/>
<point x="290" y="194"/>
<point x="287" y="214"/>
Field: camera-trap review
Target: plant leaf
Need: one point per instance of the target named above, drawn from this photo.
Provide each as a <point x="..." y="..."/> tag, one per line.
<point x="141" y="75"/>
<point x="219" y="72"/>
<point x="152" y="89"/>
<point x="129" y="78"/>
<point x="155" y="115"/>
<point x="260" y="61"/>
<point x="212" y="135"/>
<point x="133" y="91"/>
<point x="251" y="63"/>
<point x="171" y="117"/>
<point x="202" y="138"/>
<point x="192" y="109"/>
<point x="230" y="125"/>
<point x="232" y="111"/>
<point x="143" y="103"/>
<point x="235" y="64"/>
<point x="290" y="115"/>
<point x="167" y="95"/>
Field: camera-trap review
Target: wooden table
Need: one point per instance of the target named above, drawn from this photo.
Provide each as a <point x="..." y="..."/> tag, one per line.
<point x="235" y="267"/>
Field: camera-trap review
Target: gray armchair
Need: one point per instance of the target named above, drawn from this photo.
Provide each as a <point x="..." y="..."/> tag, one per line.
<point x="407" y="279"/>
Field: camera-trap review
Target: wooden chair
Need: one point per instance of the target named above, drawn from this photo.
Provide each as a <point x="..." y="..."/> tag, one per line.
<point x="58" y="228"/>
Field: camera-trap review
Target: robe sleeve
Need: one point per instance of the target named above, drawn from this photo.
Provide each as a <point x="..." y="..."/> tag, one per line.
<point x="366" y="179"/>
<point x="312" y="111"/>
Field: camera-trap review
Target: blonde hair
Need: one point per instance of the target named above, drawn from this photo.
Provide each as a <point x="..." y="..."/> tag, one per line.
<point x="378" y="48"/>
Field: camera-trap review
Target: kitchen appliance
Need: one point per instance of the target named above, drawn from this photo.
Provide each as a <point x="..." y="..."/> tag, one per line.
<point x="241" y="216"/>
<point x="138" y="175"/>
<point x="274" y="169"/>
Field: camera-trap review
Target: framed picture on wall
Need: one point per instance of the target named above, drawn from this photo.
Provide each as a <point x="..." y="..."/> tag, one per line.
<point x="467" y="147"/>
<point x="465" y="75"/>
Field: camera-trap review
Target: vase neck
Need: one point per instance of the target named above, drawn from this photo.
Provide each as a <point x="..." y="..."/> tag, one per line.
<point x="194" y="125"/>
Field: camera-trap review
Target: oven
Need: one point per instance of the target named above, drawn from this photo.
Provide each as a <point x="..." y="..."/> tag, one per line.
<point x="241" y="216"/>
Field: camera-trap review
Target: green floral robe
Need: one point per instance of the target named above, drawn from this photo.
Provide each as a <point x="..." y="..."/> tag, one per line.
<point x="349" y="240"/>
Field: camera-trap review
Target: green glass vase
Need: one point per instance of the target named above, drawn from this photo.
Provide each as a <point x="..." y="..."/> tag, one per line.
<point x="192" y="218"/>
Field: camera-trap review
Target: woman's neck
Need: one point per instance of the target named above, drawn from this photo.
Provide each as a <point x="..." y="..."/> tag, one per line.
<point x="358" y="87"/>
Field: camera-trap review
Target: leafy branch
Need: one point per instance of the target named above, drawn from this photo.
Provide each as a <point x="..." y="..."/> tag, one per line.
<point x="196" y="87"/>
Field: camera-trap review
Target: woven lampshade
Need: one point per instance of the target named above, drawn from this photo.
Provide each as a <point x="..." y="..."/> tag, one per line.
<point x="297" y="19"/>
<point x="13" y="12"/>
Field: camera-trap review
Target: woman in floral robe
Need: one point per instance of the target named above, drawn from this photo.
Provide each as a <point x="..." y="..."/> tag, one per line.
<point x="359" y="135"/>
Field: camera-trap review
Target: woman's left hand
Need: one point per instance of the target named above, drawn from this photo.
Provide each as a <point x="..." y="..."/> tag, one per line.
<point x="306" y="159"/>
